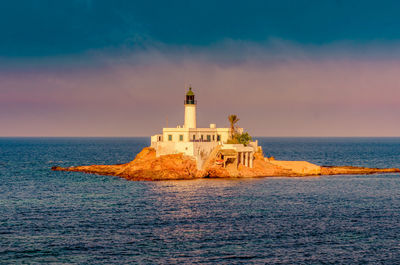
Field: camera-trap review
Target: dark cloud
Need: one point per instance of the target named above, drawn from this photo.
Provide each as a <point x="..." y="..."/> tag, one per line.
<point x="40" y="28"/>
<point x="118" y="68"/>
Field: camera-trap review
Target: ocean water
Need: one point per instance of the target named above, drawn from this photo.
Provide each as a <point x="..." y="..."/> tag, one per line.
<point x="76" y="218"/>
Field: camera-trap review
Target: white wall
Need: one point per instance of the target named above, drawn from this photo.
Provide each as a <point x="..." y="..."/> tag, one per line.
<point x="224" y="132"/>
<point x="175" y="132"/>
<point x="190" y="116"/>
<point x="168" y="148"/>
<point x="197" y="132"/>
<point x="199" y="150"/>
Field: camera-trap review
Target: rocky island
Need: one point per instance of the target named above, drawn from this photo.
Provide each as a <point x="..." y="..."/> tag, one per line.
<point x="146" y="166"/>
<point x="188" y="152"/>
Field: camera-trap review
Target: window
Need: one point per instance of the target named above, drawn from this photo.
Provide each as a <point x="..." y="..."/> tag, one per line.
<point x="181" y="137"/>
<point x="170" y="137"/>
<point x="201" y="137"/>
<point x="213" y="137"/>
<point x="194" y="137"/>
<point x="218" y="137"/>
<point x="208" y="138"/>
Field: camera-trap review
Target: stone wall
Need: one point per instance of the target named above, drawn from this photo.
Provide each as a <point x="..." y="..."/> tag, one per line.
<point x="199" y="150"/>
<point x="168" y="148"/>
<point x="202" y="151"/>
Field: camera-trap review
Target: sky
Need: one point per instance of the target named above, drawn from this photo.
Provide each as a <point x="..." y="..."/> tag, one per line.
<point x="119" y="68"/>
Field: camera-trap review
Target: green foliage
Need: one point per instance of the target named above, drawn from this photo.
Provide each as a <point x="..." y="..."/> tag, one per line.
<point x="237" y="138"/>
<point x="233" y="119"/>
<point x="243" y="138"/>
<point x="232" y="141"/>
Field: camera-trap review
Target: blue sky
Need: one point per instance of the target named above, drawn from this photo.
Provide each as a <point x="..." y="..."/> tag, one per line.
<point x="118" y="68"/>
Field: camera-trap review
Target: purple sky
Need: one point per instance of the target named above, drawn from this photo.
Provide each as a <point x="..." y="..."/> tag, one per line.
<point x="277" y="89"/>
<point x="118" y="68"/>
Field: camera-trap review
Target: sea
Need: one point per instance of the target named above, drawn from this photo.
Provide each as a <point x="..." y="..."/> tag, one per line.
<point x="49" y="217"/>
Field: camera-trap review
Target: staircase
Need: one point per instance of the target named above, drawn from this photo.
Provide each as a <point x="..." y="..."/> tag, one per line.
<point x="211" y="158"/>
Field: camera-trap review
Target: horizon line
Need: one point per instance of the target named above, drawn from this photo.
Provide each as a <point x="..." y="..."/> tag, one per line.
<point x="19" y="136"/>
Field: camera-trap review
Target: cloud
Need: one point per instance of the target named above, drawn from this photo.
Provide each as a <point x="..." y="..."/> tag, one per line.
<point x="277" y="89"/>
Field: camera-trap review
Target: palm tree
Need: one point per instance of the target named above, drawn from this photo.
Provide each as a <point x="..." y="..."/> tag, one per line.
<point x="233" y="119"/>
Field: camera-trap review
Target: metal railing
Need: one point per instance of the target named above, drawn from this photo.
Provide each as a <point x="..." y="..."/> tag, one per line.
<point x="203" y="140"/>
<point x="190" y="101"/>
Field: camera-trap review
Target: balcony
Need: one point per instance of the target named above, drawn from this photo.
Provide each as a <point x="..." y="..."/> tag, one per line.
<point x="189" y="101"/>
<point x="201" y="140"/>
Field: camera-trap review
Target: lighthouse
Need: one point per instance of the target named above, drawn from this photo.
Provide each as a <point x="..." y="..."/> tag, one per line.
<point x="190" y="110"/>
<point x="199" y="143"/>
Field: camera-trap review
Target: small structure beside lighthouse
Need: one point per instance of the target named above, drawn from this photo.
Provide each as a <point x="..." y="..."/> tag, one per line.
<point x="200" y="143"/>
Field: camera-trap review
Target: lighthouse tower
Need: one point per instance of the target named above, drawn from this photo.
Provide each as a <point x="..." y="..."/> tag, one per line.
<point x="199" y="143"/>
<point x="190" y="110"/>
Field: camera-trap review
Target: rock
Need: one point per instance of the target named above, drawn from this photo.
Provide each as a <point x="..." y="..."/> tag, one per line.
<point x="299" y="167"/>
<point x="346" y="170"/>
<point x="146" y="166"/>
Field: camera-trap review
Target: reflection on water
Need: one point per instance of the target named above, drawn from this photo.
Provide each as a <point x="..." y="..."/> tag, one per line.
<point x="191" y="186"/>
<point x="65" y="217"/>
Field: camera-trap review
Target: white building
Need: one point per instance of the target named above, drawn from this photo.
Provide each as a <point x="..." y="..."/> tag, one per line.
<point x="198" y="142"/>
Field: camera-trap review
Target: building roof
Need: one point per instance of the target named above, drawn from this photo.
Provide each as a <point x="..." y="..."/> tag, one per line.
<point x="190" y="92"/>
<point x="228" y="152"/>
